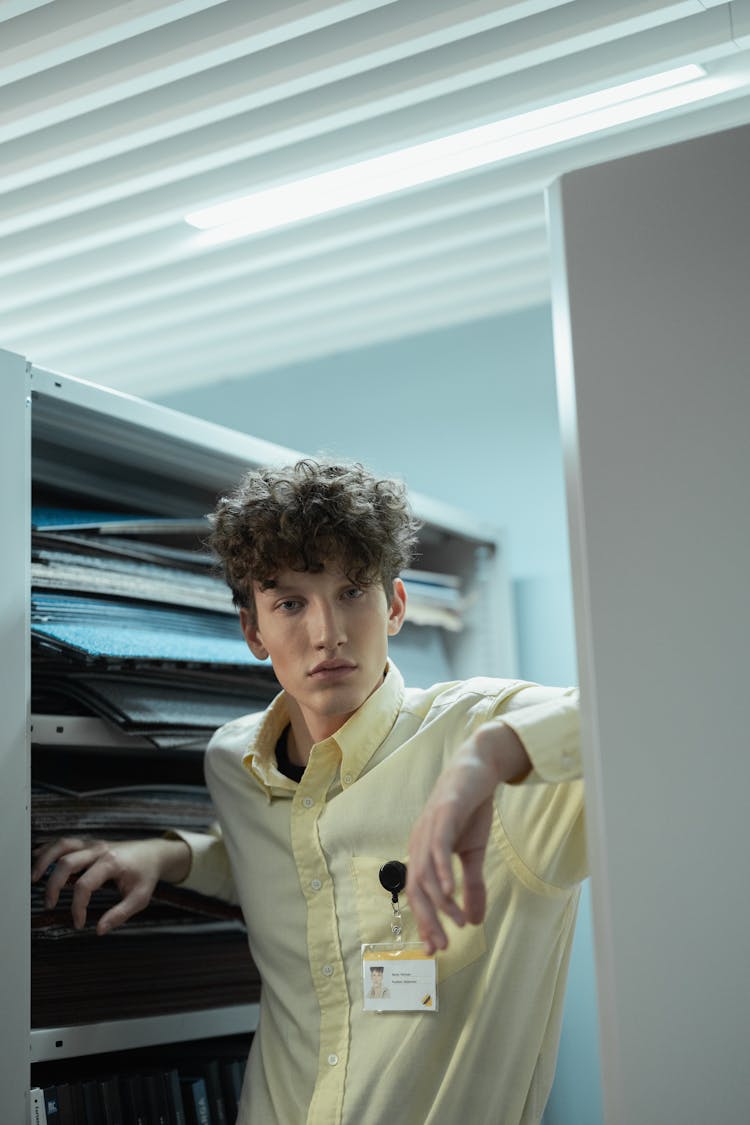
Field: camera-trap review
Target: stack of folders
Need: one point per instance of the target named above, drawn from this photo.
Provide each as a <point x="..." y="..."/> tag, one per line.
<point x="434" y="599"/>
<point x="95" y="554"/>
<point x="184" y="952"/>
<point x="137" y="657"/>
<point x="201" y="1086"/>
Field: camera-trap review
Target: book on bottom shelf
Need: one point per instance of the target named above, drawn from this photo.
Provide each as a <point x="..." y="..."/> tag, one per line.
<point x="174" y="1096"/>
<point x="210" y="1070"/>
<point x="133" y="1099"/>
<point x="37" y="1112"/>
<point x="156" y="1098"/>
<point x="79" y="1106"/>
<point x="195" y="1097"/>
<point x="232" y="1071"/>
<point x="51" y="1105"/>
<point x="109" y="1090"/>
<point x="93" y="1103"/>
<point x="192" y="1083"/>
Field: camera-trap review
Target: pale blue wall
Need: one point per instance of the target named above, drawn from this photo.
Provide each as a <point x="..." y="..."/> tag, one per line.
<point x="468" y="416"/>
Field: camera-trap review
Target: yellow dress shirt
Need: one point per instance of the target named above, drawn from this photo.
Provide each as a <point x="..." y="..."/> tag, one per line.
<point x="302" y="859"/>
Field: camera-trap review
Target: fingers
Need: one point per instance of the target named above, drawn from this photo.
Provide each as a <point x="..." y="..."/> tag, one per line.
<point x="475" y="891"/>
<point x="100" y="869"/>
<point x="65" y="864"/>
<point x="447" y="826"/>
<point x="137" y="900"/>
<point x="95" y="862"/>
<point x="428" y="903"/>
<point x="431" y="932"/>
<point x="430" y="884"/>
<point x="47" y="854"/>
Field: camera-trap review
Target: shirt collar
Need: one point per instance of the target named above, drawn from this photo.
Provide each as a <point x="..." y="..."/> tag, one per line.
<point x="260" y="757"/>
<point x="368" y="727"/>
<point x="357" y="739"/>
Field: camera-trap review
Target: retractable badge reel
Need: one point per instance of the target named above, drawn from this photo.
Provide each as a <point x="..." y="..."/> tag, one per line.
<point x="397" y="976"/>
<point x="392" y="877"/>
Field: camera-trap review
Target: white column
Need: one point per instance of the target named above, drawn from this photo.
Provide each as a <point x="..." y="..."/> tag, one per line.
<point x="651" y="302"/>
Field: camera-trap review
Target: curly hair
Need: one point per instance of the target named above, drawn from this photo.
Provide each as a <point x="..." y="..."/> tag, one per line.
<point x="302" y="516"/>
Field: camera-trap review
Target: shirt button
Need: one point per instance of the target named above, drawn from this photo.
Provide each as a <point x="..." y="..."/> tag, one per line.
<point x="332" y="1060"/>
<point x="348" y="779"/>
<point x="328" y="970"/>
<point x="307" y="802"/>
<point x="316" y="884"/>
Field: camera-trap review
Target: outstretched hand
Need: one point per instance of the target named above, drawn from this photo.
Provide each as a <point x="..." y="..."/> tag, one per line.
<point x="135" y="866"/>
<point x="457" y="819"/>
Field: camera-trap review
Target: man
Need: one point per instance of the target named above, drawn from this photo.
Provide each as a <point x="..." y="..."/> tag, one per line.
<point x="316" y="793"/>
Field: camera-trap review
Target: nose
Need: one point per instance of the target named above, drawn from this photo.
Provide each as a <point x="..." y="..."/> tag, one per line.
<point x="327" y="629"/>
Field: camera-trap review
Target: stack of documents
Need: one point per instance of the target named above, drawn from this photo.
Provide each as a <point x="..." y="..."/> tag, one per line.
<point x="434" y="599"/>
<point x="132" y="626"/>
<point x="183" y="952"/>
<point x="166" y="710"/>
<point x="132" y="973"/>
<point x="137" y="657"/>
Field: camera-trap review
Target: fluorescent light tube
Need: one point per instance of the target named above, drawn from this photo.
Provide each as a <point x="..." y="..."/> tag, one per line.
<point x="461" y="152"/>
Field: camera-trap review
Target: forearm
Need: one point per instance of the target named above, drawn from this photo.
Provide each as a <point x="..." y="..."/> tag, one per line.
<point x="457" y="818"/>
<point x="174" y="860"/>
<point x="496" y="749"/>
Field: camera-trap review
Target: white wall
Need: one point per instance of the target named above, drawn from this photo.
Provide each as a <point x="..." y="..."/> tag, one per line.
<point x="652" y="329"/>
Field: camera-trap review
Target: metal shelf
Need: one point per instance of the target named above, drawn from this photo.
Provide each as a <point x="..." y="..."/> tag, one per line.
<point x="67" y="435"/>
<point x="122" y="1035"/>
<point x="104" y="443"/>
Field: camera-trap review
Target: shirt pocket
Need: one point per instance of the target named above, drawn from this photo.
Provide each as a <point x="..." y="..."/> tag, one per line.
<point x="375" y="916"/>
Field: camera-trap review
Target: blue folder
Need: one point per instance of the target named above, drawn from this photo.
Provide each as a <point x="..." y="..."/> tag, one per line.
<point x="121" y="630"/>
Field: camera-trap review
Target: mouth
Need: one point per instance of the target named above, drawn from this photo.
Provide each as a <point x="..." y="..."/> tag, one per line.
<point x="331" y="669"/>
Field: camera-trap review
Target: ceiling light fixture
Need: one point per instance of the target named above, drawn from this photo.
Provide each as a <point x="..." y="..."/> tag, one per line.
<point x="448" y="156"/>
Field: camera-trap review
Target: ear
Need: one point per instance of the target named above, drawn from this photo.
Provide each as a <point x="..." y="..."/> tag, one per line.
<point x="396" y="608"/>
<point x="251" y="634"/>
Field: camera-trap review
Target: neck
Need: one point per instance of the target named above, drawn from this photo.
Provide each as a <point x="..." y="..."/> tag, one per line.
<point x="306" y="730"/>
<point x="303" y="735"/>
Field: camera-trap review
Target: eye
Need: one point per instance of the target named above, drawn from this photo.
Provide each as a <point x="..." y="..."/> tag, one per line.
<point x="288" y="605"/>
<point x="353" y="593"/>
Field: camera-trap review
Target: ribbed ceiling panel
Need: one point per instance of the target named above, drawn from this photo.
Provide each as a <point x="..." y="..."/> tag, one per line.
<point x="116" y="120"/>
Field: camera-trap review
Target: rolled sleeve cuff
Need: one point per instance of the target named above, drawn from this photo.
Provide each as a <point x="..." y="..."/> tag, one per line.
<point x="550" y="733"/>
<point x="209" y="872"/>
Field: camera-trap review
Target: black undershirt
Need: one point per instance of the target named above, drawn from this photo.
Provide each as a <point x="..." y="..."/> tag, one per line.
<point x="289" y="769"/>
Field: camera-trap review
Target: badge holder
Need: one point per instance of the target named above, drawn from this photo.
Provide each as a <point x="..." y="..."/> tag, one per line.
<point x="397" y="976"/>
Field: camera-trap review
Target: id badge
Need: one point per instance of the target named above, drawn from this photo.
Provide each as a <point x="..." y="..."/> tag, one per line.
<point x="398" y="977"/>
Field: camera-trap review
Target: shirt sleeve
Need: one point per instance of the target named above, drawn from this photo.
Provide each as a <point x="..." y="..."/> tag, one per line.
<point x="542" y="820"/>
<point x="209" y="872"/>
<point x="547" y="722"/>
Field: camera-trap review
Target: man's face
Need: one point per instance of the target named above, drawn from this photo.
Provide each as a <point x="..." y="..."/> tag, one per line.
<point x="327" y="640"/>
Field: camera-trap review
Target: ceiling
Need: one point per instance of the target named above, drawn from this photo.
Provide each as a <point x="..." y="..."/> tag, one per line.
<point x="117" y="119"/>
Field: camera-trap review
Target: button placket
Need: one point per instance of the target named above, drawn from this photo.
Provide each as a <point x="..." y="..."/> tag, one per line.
<point x="324" y="948"/>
